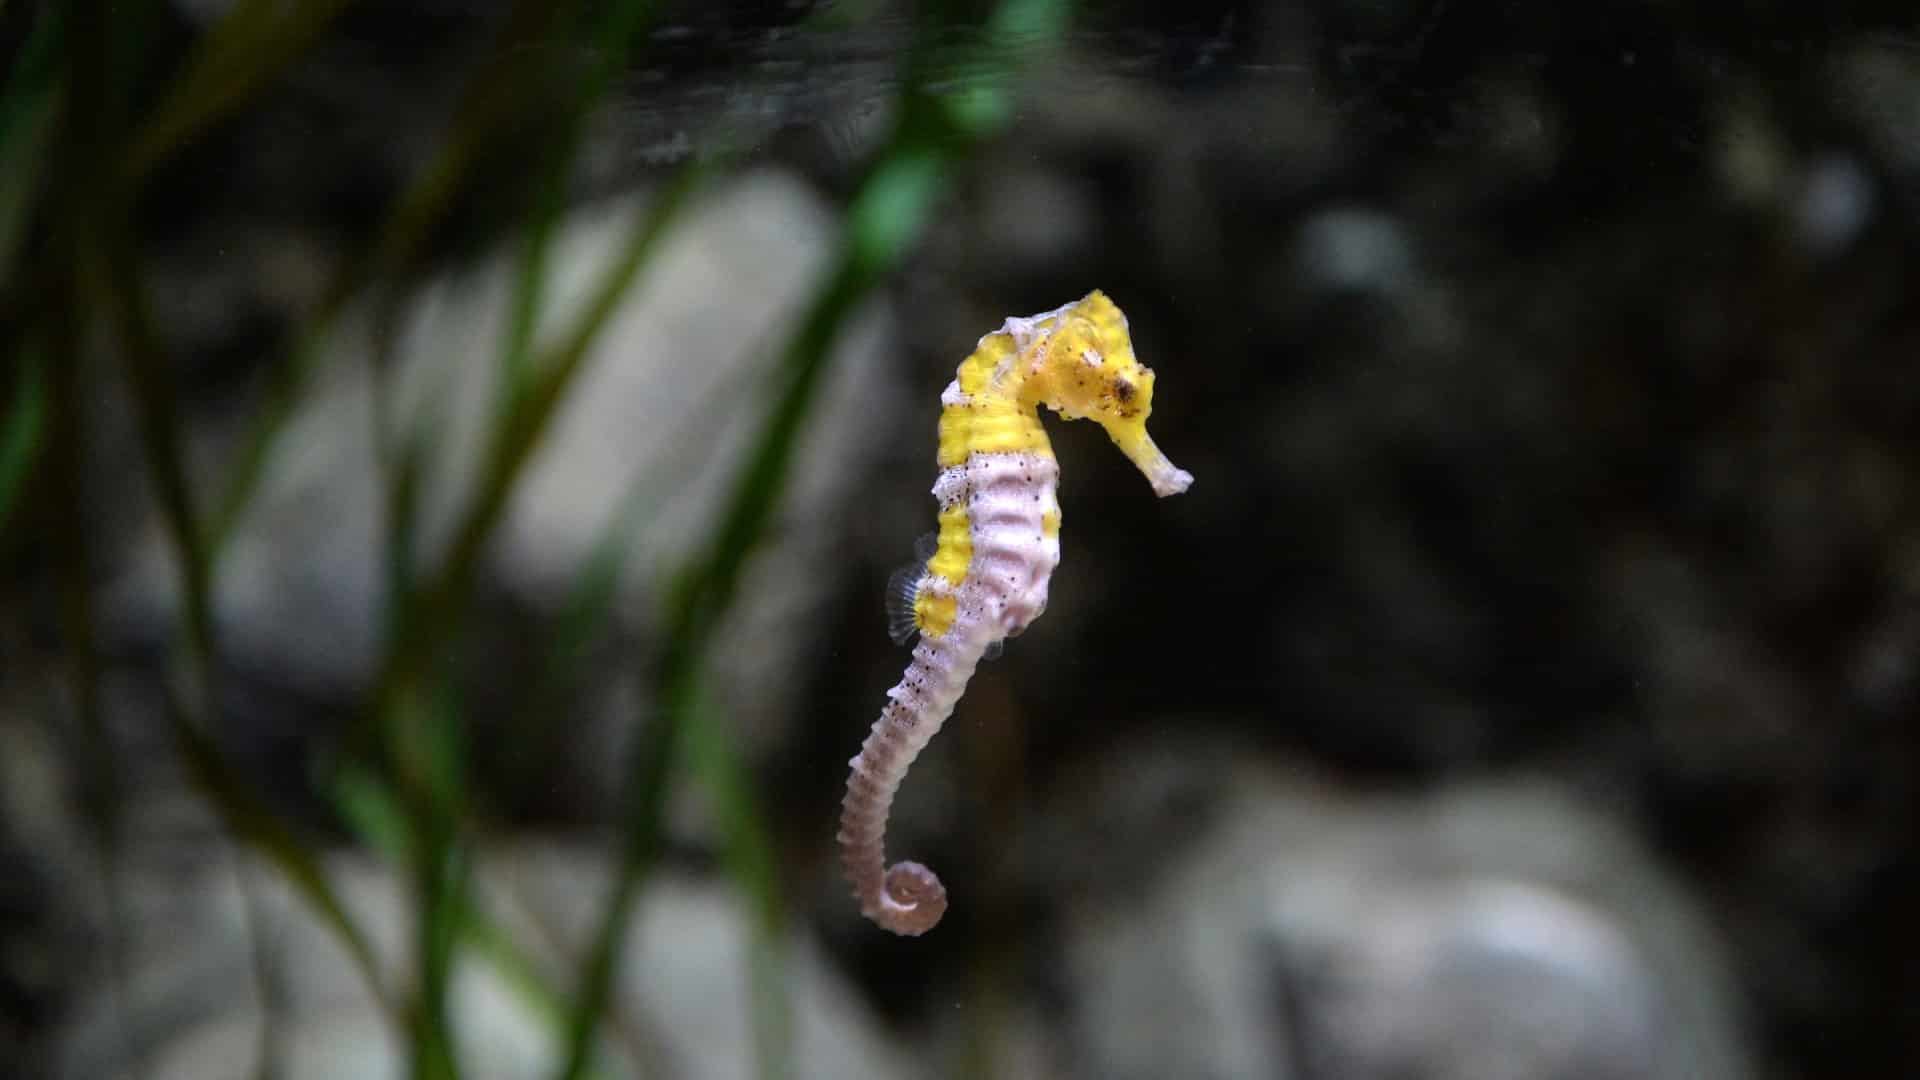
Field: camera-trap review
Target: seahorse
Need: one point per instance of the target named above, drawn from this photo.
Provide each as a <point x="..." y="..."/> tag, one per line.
<point x="983" y="577"/>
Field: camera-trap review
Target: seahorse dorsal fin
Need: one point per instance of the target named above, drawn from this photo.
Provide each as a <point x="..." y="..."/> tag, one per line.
<point x="903" y="588"/>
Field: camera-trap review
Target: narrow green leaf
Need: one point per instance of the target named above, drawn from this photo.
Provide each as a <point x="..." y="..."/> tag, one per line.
<point x="250" y="819"/>
<point x="369" y="808"/>
<point x="747" y="852"/>
<point x="1036" y="22"/>
<point x="374" y="814"/>
<point x="889" y="211"/>
<point x="28" y="106"/>
<point x="269" y="977"/>
<point x="650" y="774"/>
<point x="440" y="872"/>
<point x="99" y="787"/>
<point x="20" y="437"/>
<point x="252" y="43"/>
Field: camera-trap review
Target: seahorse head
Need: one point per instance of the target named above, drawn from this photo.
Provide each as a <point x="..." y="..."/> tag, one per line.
<point x="1083" y="367"/>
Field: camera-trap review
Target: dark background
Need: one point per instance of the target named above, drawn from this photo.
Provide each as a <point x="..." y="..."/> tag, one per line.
<point x="1547" y="376"/>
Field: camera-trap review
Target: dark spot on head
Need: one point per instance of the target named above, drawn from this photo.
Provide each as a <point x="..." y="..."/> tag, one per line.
<point x="1123" y="389"/>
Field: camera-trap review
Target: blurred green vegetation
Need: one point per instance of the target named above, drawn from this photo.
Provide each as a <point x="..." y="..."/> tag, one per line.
<point x="87" y="123"/>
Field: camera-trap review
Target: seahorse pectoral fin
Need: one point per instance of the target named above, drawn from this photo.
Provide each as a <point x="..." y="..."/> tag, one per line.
<point x="1133" y="441"/>
<point x="902" y="588"/>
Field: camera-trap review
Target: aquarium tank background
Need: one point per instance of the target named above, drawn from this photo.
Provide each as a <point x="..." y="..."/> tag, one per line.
<point x="453" y="456"/>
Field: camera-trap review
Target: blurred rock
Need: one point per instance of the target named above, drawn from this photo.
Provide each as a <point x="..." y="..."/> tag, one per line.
<point x="187" y="1006"/>
<point x="1836" y="201"/>
<point x="1353" y="249"/>
<point x="679" y="379"/>
<point x="1492" y="931"/>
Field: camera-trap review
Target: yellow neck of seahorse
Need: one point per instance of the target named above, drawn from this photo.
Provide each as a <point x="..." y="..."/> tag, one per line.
<point x="996" y="414"/>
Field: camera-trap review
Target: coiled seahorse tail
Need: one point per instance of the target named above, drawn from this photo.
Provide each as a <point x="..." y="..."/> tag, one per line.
<point x="985" y="575"/>
<point x="907" y="898"/>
